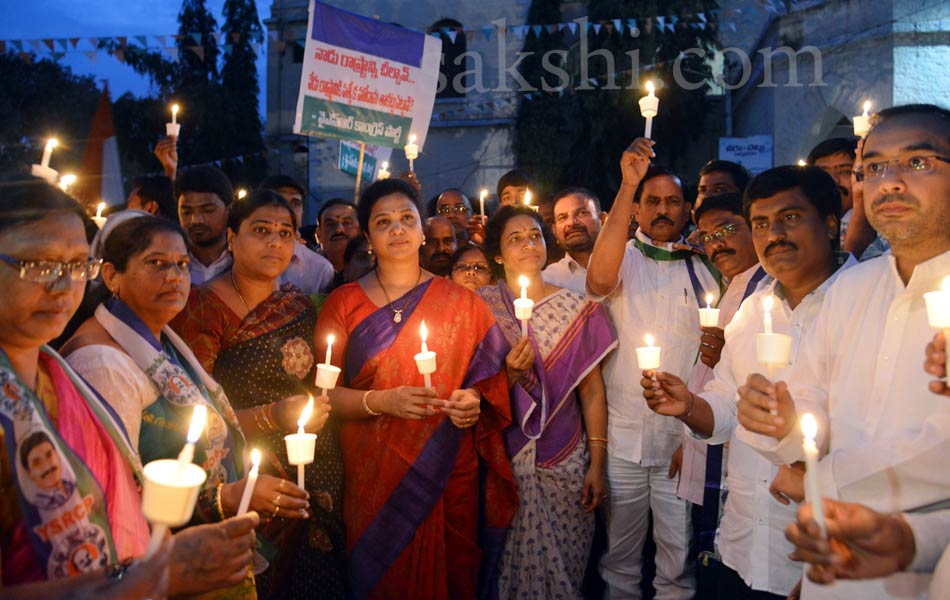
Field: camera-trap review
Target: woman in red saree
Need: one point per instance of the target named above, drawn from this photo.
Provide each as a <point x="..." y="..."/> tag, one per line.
<point x="428" y="489"/>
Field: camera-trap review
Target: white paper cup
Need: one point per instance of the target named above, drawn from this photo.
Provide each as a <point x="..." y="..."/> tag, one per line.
<point x="301" y="448"/>
<point x="327" y="376"/>
<point x="523" y="308"/>
<point x="170" y="491"/>
<point x="773" y="349"/>
<point x="709" y="317"/>
<point x="649" y="106"/>
<point x="648" y="357"/>
<point x="172" y="129"/>
<point x="425" y="362"/>
<point x="938" y="309"/>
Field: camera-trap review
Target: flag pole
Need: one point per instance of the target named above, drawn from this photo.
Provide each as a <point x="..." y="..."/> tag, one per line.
<point x="359" y="174"/>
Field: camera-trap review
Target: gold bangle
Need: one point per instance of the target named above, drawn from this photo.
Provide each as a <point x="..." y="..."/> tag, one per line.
<point x="596" y="439"/>
<point x="366" y="407"/>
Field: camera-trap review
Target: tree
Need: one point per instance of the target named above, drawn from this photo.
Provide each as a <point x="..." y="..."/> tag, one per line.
<point x="576" y="135"/>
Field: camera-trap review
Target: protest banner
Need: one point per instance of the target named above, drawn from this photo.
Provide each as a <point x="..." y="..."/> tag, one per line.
<point x="365" y="80"/>
<point x="374" y="156"/>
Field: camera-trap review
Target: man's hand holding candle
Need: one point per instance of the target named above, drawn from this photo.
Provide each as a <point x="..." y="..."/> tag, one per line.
<point x="936" y="364"/>
<point x="757" y="398"/>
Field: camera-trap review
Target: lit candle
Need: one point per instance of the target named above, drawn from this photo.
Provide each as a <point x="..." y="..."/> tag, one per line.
<point x="938" y="312"/>
<point x="198" y="419"/>
<point x="481" y="201"/>
<point x="326" y="359"/>
<point x="327" y="374"/>
<point x="251" y="482"/>
<point x="301" y="445"/>
<point x="812" y="491"/>
<point x="709" y="316"/>
<point x="648" y="357"/>
<point x="425" y="359"/>
<point x="411" y="150"/>
<point x="524" y="306"/>
<point x="66" y="180"/>
<point x="767" y="304"/>
<point x="383" y="172"/>
<point x="48" y="152"/>
<point x="772" y="349"/>
<point x="99" y="220"/>
<point x="241" y="193"/>
<point x="649" y="106"/>
<point x="174" y="128"/>
<point x="802" y="163"/>
<point x="862" y="123"/>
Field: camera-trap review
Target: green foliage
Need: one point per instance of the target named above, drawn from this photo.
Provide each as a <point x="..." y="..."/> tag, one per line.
<point x="576" y="136"/>
<point x="47" y="99"/>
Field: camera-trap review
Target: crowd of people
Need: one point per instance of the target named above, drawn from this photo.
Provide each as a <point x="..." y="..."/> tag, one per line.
<point x="486" y="479"/>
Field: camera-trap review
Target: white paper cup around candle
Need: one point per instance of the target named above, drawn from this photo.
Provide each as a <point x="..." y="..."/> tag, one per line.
<point x="425" y="362"/>
<point x="172" y="129"/>
<point x="649" y="107"/>
<point x="327" y="376"/>
<point x="50" y="175"/>
<point x="169" y="496"/>
<point x="648" y="357"/>
<point x="524" y="307"/>
<point x="862" y="122"/>
<point x="938" y="313"/>
<point x="773" y="349"/>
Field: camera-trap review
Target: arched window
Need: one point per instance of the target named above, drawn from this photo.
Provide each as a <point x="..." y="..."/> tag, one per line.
<point x="453" y="46"/>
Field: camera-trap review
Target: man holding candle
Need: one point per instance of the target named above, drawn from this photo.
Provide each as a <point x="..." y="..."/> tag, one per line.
<point x="886" y="433"/>
<point x="649" y="288"/>
<point x="577" y="222"/>
<point x="794" y="229"/>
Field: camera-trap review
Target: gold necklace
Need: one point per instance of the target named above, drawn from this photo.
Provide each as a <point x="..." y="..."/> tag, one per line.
<point x="397" y="312"/>
<point x="238" y="290"/>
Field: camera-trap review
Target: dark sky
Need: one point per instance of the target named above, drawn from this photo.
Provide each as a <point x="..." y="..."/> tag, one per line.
<point x="33" y="19"/>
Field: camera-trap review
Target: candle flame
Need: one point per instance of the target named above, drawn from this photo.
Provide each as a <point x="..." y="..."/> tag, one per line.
<point x="649" y="339"/>
<point x="198" y="420"/>
<point x="307" y="411"/>
<point x="523" y="281"/>
<point x="867" y="107"/>
<point x="52" y="143"/>
<point x="241" y="193"/>
<point x="423" y="332"/>
<point x="802" y="163"/>
<point x="175" y="109"/>
<point x="412" y="138"/>
<point x="650" y="87"/>
<point x="100" y="208"/>
<point x="66" y="180"/>
<point x="527" y="197"/>
<point x="255" y="457"/>
<point x="385" y="165"/>
<point x="709" y="299"/>
<point x="809" y="426"/>
<point x="483" y="194"/>
<point x="330" y="340"/>
<point x="768" y="303"/>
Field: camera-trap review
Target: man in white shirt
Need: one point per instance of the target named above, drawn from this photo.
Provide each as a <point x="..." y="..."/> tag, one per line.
<point x="793" y="213"/>
<point x="835" y="156"/>
<point x="577" y="222"/>
<point x="887" y="434"/>
<point x="653" y="289"/>
<point x="204" y="194"/>
<point x="308" y="271"/>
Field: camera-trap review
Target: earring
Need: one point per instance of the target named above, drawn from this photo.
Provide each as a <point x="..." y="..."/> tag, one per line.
<point x="423" y="240"/>
<point x="369" y="249"/>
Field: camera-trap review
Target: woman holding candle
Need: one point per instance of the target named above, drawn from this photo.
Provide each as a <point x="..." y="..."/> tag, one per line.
<point x="412" y="454"/>
<point x="255" y="338"/>
<point x="558" y="403"/>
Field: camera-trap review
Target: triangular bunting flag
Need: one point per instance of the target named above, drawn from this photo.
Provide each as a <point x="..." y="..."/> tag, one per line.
<point x="672" y="24"/>
<point x="143" y="40"/>
<point x="552" y="28"/>
<point x="58" y="55"/>
<point x="63" y="43"/>
<point x="123" y="40"/>
<point x="120" y="55"/>
<point x="702" y="17"/>
<point x="469" y="35"/>
<point x="102" y="40"/>
<point x="662" y="22"/>
<point x="172" y="52"/>
<point x="596" y="27"/>
<point x="486" y="31"/>
<point x="537" y="30"/>
<point x="196" y="38"/>
<point x="452" y="35"/>
<point x="199" y="50"/>
<point x="92" y="55"/>
<point x="618" y="25"/>
<point x="18" y="44"/>
<point x="702" y="25"/>
<point x="592" y="81"/>
<point x="74" y="42"/>
<point x="573" y="27"/>
<point x="36" y="44"/>
<point x="27" y="56"/>
<point x="49" y="44"/>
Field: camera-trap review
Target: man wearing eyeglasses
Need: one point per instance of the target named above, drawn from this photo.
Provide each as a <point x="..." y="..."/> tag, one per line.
<point x="835" y="157"/>
<point x="456" y="207"/>
<point x="577" y="222"/>
<point x="886" y="435"/>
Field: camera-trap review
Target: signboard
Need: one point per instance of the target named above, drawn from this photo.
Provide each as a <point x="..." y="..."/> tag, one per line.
<point x="372" y="158"/>
<point x="753" y="152"/>
<point x="366" y="80"/>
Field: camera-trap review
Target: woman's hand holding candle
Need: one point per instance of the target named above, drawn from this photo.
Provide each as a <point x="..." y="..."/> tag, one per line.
<point x="519" y="360"/>
<point x="294" y="501"/>
<point x="288" y="411"/>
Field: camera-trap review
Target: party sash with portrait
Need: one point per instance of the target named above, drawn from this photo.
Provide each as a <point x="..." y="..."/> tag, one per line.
<point x="70" y="522"/>
<point x="182" y="383"/>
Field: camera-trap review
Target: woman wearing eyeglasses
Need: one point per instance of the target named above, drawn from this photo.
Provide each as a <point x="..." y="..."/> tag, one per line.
<point x="471" y="269"/>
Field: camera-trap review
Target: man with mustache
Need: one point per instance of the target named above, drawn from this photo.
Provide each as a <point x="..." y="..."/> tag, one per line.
<point x="886" y="434"/>
<point x="438" y="247"/>
<point x="577" y="222"/>
<point x="336" y="226"/>
<point x="652" y="289"/>
<point x="793" y="213"/>
<point x="204" y="194"/>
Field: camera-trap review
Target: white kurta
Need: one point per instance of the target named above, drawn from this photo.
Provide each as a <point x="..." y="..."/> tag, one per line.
<point x="567" y="273"/>
<point x="861" y="369"/>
